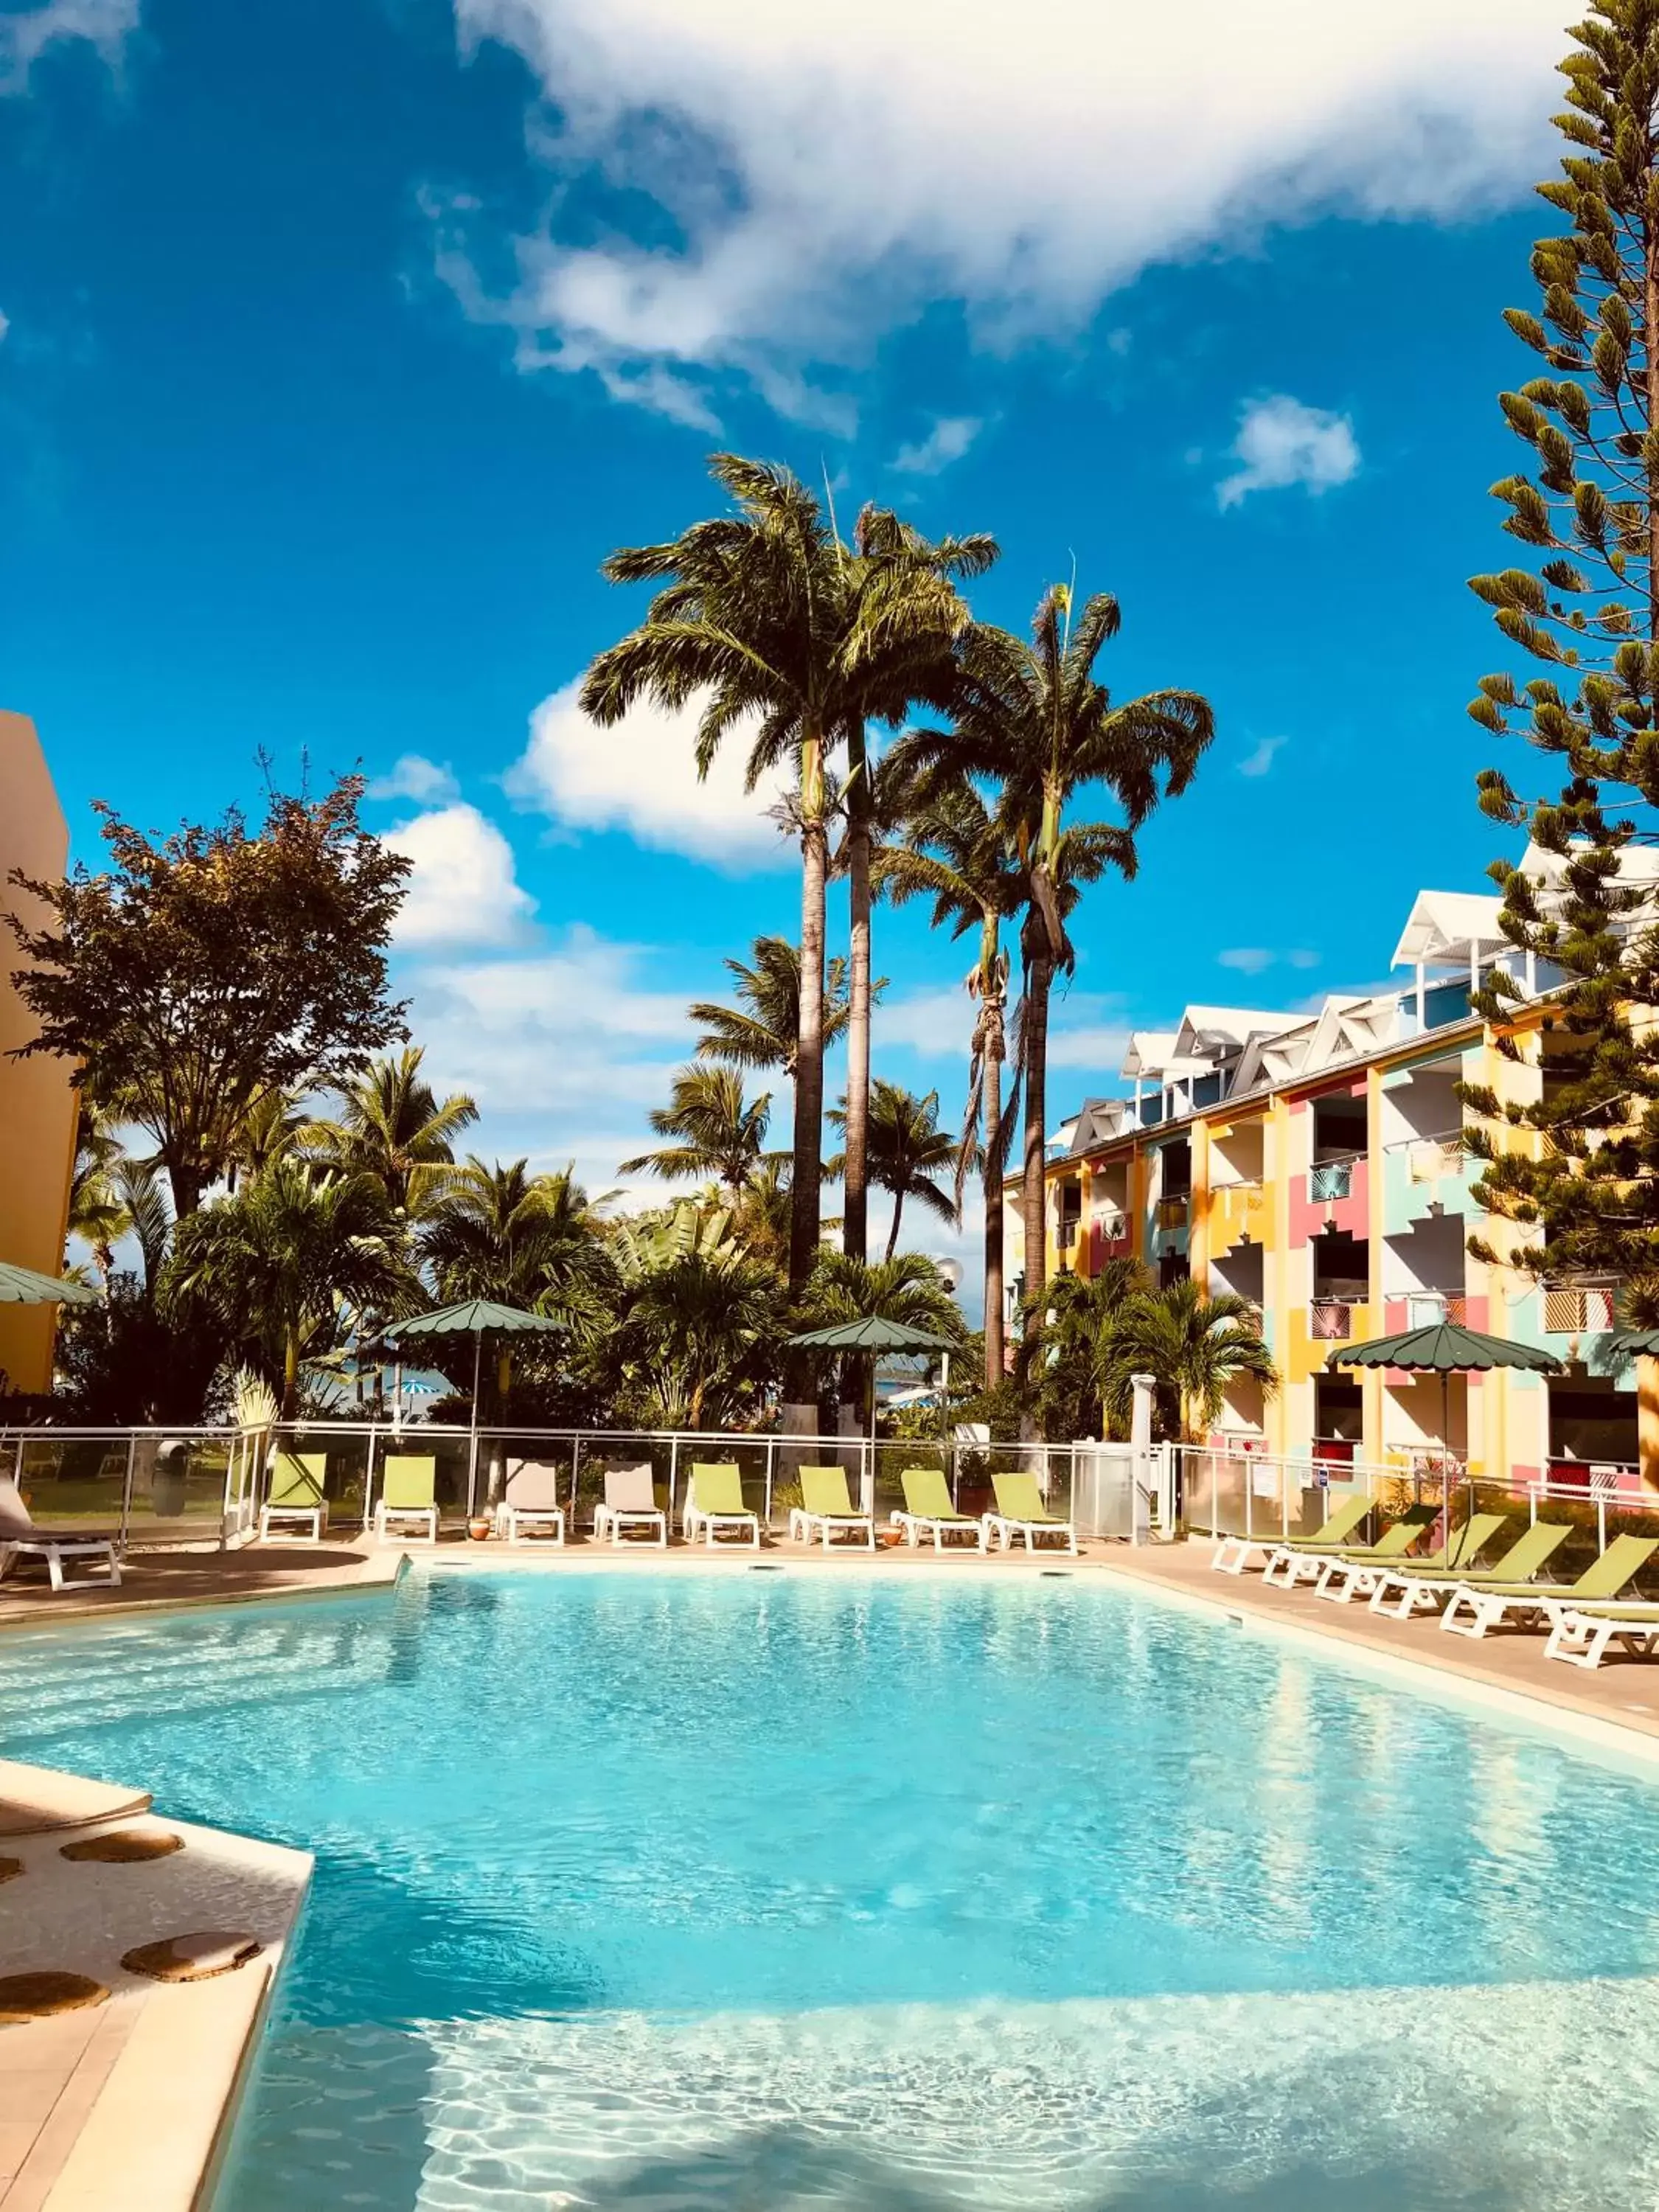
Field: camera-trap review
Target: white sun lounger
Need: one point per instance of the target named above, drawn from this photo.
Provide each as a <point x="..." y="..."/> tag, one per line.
<point x="21" y="1538"/>
<point x="530" y="1504"/>
<point x="1021" y="1512"/>
<point x="1472" y="1611"/>
<point x="1582" y="1635"/>
<point x="630" y="1501"/>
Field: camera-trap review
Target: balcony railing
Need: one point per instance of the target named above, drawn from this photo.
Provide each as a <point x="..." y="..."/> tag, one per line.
<point x="1579" y="1312"/>
<point x="1065" y="1233"/>
<point x="1330" y="1179"/>
<point x="1172" y="1212"/>
<point x="1429" y="1158"/>
<point x="1112" y="1225"/>
<point x="1425" y="1309"/>
<point x="1331" y="1319"/>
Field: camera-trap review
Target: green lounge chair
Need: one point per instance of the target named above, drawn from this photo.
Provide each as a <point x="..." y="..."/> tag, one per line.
<point x="296" y="1493"/>
<point x="408" y="1493"/>
<point x="1021" y="1512"/>
<point x="826" y="1507"/>
<point x="1582" y="1634"/>
<point x="1487" y="1604"/>
<point x="714" y="1502"/>
<point x="1232" y="1553"/>
<point x="928" y="1511"/>
<point x="1421" y="1583"/>
<point x="1288" y="1566"/>
<point x="1351" y="1579"/>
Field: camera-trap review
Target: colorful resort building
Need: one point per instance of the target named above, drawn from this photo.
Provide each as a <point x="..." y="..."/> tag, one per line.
<point x="39" y="1109"/>
<point x="1317" y="1163"/>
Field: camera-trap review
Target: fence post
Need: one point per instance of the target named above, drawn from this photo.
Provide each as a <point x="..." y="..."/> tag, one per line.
<point x="575" y="1476"/>
<point x="673" y="1476"/>
<point x="771" y="1468"/>
<point x="233" y="1458"/>
<point x="1285" y="1499"/>
<point x="126" y="1485"/>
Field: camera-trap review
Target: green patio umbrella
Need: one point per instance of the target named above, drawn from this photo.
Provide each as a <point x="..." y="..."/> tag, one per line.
<point x="476" y="1318"/>
<point x="1446" y="1348"/>
<point x="23" y="1286"/>
<point x="875" y="1335"/>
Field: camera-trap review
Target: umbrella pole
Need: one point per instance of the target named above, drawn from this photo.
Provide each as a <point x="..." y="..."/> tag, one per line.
<point x="869" y="1498"/>
<point x="472" y="1457"/>
<point x="1445" y="1462"/>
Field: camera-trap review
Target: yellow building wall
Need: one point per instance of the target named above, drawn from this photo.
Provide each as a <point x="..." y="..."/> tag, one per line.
<point x="38" y="1105"/>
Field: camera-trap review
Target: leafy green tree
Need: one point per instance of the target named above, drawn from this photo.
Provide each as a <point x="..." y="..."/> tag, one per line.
<point x="762" y="1031"/>
<point x="1035" y="721"/>
<point x="908" y="1151"/>
<point x="1194" y="1347"/>
<point x="720" y="1131"/>
<point x="1585" y="611"/>
<point x="391" y="1123"/>
<point x="199" y="973"/>
<point x="1058" y="1361"/>
<point x="285" y="1263"/>
<point x="126" y="1361"/>
<point x="766" y="621"/>
<point x="954" y="852"/>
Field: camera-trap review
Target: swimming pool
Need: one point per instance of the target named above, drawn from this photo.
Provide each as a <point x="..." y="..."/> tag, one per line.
<point x="683" y="1889"/>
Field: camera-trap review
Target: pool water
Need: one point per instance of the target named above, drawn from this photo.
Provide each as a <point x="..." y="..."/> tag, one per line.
<point x="682" y="1890"/>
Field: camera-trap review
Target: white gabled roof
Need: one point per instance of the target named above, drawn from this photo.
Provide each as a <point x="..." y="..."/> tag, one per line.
<point x="1150" y="1052"/>
<point x="1444" y="927"/>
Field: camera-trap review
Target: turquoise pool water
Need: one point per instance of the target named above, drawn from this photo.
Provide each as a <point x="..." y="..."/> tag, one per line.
<point x="765" y="1890"/>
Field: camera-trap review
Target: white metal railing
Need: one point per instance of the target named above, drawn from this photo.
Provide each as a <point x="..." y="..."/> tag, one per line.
<point x="1424" y="1308"/>
<point x="159" y="1487"/>
<point x="1429" y="1158"/>
<point x="1236" y="1489"/>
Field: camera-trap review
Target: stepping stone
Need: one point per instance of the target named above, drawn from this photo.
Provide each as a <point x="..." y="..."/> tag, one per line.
<point x="124" y="1847"/>
<point x="195" y="1957"/>
<point x="38" y="1995"/>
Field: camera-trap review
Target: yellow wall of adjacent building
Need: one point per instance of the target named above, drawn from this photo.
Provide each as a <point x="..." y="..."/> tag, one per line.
<point x="38" y="1106"/>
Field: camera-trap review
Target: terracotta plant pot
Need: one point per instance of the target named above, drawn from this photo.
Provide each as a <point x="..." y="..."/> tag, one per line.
<point x="478" y="1528"/>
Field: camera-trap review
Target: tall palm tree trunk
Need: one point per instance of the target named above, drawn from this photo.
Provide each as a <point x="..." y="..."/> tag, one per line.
<point x="892" y="1234"/>
<point x="991" y="1182"/>
<point x="1040" y="977"/>
<point x="805" y="1192"/>
<point x="855" y="1211"/>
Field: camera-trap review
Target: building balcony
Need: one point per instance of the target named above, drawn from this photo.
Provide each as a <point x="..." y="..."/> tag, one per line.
<point x="1173" y="1213"/>
<point x="1238" y="1211"/>
<point x="1331" y="1319"/>
<point x="1583" y="1311"/>
<point x="1111" y="1225"/>
<point x="1330" y="1181"/>
<point x="1428" y="1309"/>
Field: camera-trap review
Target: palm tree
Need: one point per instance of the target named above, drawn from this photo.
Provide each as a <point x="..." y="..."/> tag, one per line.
<point x="955" y="853"/>
<point x="701" y="1320"/>
<point x="720" y="1132"/>
<point x="391" y="1123"/>
<point x="763" y="1031"/>
<point x="281" y="1261"/>
<point x="1193" y="1345"/>
<point x="272" y="1125"/>
<point x="1033" y="719"/>
<point x="767" y="620"/>
<point x="907" y="1151"/>
<point x="533" y="1241"/>
<point x="907" y="1290"/>
<point x="1057" y="1364"/>
<point x="96" y="1214"/>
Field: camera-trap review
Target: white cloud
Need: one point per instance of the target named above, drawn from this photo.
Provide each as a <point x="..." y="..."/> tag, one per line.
<point x="463" y="890"/>
<point x="5" y="325"/>
<point x="414" y="776"/>
<point x="947" y="441"/>
<point x="641" y="777"/>
<point x="807" y="163"/>
<point x="1248" y="959"/>
<point x="1281" y="442"/>
<point x="1262" y="759"/>
<point x="104" y="24"/>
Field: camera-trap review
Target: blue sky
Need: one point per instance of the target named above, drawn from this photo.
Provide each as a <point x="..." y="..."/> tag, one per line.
<point x="343" y="338"/>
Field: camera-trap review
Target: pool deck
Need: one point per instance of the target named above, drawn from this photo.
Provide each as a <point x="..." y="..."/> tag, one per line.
<point x="128" y="2102"/>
